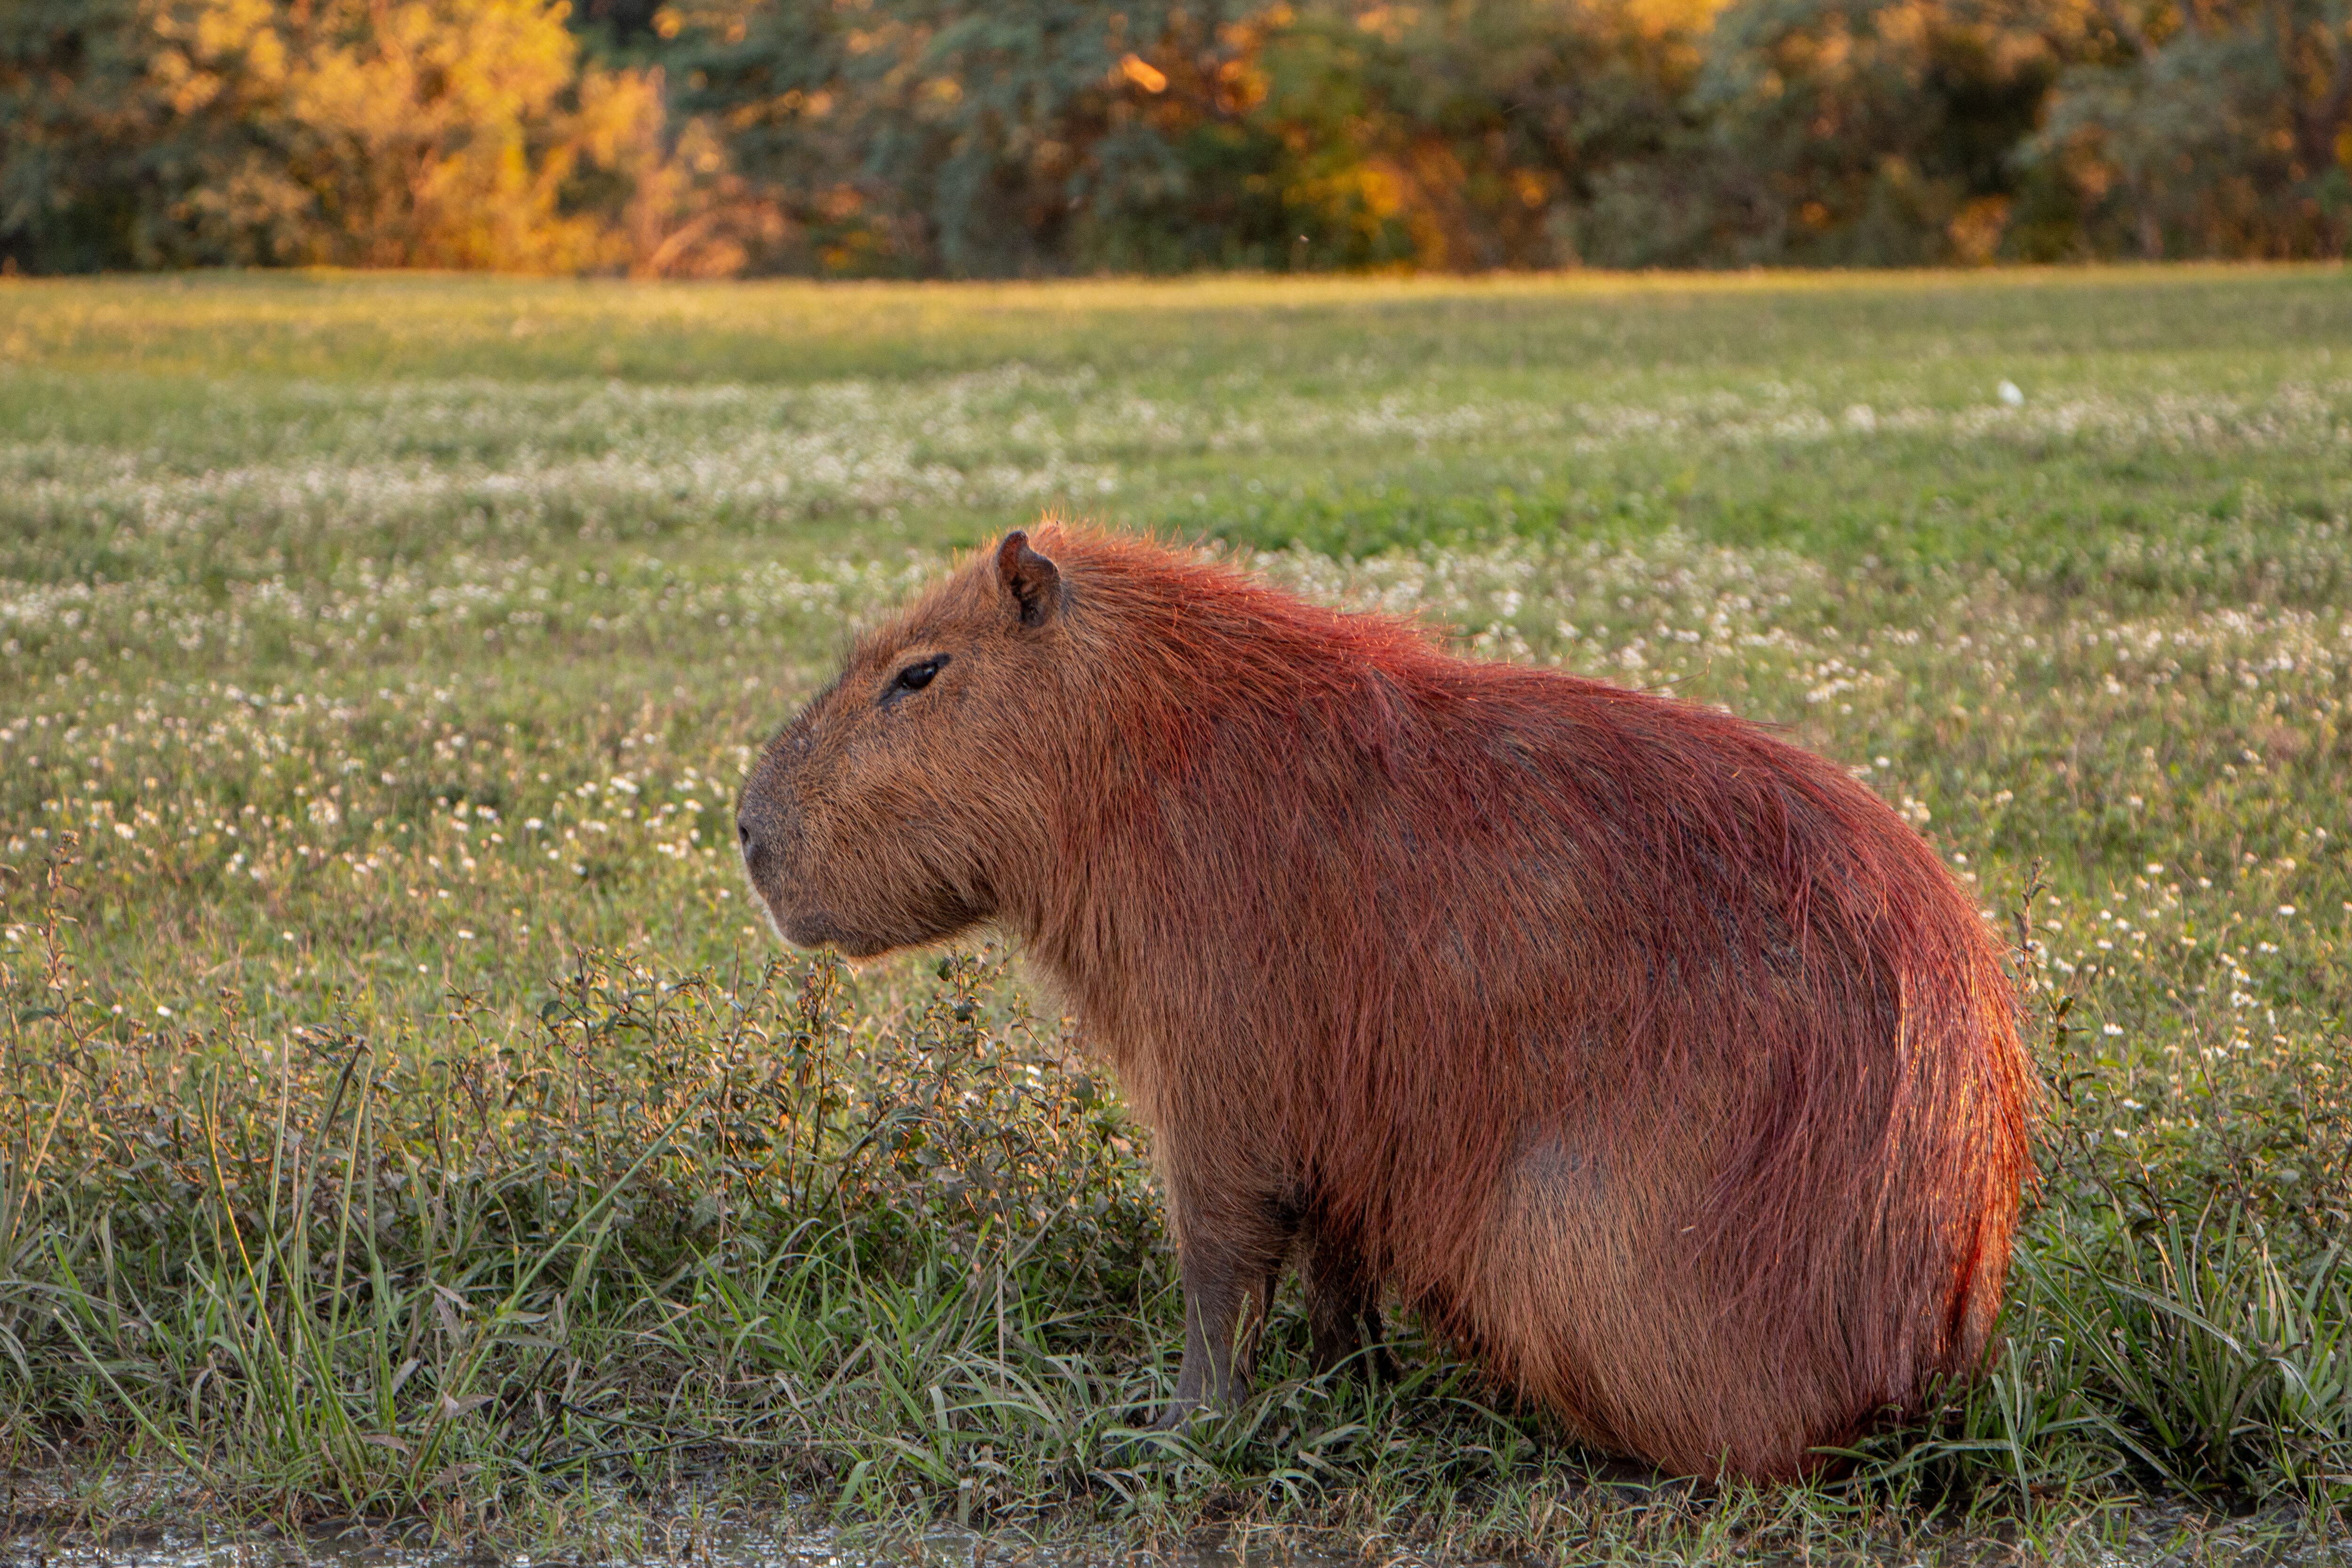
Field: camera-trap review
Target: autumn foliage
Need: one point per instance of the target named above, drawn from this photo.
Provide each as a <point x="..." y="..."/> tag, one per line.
<point x="451" y="133"/>
<point x="1043" y="137"/>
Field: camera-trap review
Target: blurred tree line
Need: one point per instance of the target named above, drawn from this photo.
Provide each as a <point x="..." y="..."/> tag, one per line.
<point x="1013" y="136"/>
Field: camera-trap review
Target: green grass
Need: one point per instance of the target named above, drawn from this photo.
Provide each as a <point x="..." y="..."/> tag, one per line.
<point x="404" y="1115"/>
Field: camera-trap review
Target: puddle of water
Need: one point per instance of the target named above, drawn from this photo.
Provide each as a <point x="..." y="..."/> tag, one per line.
<point x="702" y="1548"/>
<point x="2161" y="1535"/>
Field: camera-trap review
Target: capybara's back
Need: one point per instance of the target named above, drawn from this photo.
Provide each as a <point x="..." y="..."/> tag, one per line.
<point x="1653" y="1059"/>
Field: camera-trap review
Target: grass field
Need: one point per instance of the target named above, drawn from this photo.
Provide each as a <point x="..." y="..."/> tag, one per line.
<point x="404" y="1115"/>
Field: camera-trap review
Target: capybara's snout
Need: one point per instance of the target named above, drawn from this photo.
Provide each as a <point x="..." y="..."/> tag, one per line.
<point x="804" y="885"/>
<point x="767" y="833"/>
<point x="759" y="836"/>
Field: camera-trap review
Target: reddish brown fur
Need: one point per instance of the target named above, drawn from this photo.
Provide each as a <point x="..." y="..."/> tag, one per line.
<point x="1656" y="1061"/>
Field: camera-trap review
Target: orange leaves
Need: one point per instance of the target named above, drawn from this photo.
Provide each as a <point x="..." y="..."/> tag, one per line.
<point x="1149" y="77"/>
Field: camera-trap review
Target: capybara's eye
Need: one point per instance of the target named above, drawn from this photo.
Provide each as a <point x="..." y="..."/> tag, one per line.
<point x="915" y="676"/>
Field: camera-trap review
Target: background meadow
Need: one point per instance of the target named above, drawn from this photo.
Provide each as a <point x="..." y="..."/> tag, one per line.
<point x="404" y="1112"/>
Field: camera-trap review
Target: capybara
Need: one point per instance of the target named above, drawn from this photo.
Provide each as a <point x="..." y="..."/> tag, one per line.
<point x="1653" y="1061"/>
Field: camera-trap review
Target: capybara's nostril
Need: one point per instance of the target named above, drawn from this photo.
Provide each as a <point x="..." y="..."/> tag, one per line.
<point x="743" y="837"/>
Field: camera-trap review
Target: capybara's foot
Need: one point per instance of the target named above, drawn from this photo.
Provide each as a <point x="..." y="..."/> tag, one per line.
<point x="1176" y="1413"/>
<point x="1369" y="1364"/>
<point x="1140" y="1442"/>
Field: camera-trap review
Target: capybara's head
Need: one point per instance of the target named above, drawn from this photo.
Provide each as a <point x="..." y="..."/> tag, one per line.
<point x="890" y="811"/>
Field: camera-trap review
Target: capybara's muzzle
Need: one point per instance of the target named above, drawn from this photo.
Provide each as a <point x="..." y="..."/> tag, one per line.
<point x="769" y="835"/>
<point x="767" y="830"/>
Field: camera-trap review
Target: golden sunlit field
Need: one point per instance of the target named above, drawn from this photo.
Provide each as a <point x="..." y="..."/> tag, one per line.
<point x="404" y="1115"/>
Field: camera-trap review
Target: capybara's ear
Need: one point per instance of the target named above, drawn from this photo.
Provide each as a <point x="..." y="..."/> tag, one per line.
<point x="1031" y="581"/>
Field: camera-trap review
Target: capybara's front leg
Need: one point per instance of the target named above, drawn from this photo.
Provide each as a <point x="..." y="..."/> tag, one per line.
<point x="1343" y="1309"/>
<point x="1228" y="1283"/>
